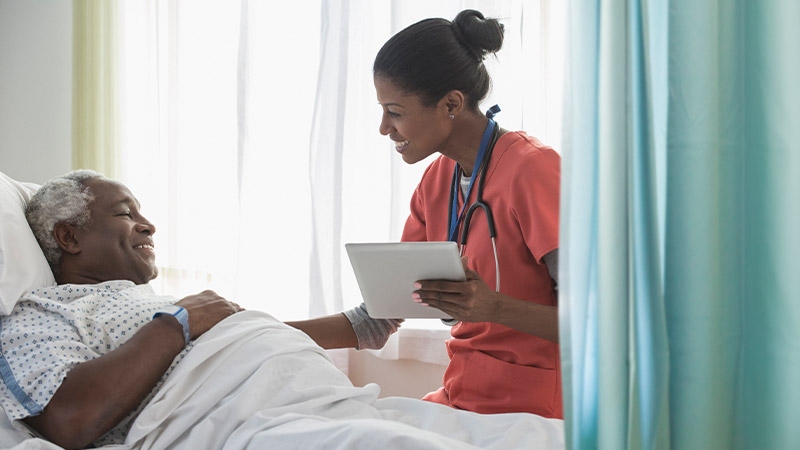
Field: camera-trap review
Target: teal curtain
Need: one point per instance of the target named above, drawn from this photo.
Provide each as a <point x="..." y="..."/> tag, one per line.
<point x="680" y="279"/>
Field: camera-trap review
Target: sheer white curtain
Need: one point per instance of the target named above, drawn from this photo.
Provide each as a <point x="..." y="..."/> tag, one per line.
<point x="249" y="132"/>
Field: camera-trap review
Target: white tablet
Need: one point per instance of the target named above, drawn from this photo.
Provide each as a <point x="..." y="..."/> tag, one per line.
<point x="386" y="273"/>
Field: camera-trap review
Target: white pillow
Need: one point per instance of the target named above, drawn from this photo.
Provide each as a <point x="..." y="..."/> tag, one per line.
<point x="22" y="264"/>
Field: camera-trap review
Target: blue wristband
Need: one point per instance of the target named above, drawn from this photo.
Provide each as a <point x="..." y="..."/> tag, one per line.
<point x="181" y="315"/>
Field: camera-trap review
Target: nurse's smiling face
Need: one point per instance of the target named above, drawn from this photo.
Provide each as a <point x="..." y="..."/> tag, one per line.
<point x="118" y="242"/>
<point x="417" y="130"/>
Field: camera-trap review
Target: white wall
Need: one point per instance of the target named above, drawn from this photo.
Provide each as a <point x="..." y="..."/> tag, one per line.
<point x="404" y="378"/>
<point x="35" y="88"/>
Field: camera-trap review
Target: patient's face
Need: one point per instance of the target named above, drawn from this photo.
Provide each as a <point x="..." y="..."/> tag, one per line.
<point x="118" y="243"/>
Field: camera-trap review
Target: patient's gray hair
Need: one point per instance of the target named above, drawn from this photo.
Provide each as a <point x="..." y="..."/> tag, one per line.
<point x="63" y="199"/>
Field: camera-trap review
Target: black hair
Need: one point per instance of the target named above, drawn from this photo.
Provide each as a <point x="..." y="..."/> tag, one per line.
<point x="435" y="56"/>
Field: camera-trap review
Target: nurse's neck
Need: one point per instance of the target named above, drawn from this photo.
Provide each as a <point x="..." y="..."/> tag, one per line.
<point x="465" y="140"/>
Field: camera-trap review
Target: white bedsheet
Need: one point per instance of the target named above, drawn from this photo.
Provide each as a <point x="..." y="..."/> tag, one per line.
<point x="252" y="382"/>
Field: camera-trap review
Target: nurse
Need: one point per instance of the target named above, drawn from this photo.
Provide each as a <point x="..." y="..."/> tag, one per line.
<point x="430" y="80"/>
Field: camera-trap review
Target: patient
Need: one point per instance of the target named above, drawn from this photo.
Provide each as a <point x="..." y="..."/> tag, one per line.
<point x="71" y="379"/>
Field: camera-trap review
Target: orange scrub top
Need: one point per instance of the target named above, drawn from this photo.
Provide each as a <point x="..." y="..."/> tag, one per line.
<point x="494" y="368"/>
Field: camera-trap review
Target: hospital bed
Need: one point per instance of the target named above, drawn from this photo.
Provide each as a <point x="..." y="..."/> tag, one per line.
<point x="253" y="382"/>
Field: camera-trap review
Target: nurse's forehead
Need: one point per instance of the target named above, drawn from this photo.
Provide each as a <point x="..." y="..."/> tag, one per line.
<point x="389" y="94"/>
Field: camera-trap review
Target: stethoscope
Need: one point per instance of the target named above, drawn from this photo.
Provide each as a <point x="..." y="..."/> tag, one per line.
<point x="490" y="135"/>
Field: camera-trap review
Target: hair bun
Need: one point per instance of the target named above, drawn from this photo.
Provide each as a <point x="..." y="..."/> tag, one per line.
<point x="478" y="34"/>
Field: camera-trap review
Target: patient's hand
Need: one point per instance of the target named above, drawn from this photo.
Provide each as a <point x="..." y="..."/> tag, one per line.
<point x="205" y="310"/>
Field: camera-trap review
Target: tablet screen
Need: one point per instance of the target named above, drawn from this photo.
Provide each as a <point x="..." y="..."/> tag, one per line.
<point x="386" y="273"/>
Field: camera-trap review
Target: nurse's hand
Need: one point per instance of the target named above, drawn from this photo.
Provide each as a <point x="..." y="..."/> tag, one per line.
<point x="468" y="301"/>
<point x="474" y="301"/>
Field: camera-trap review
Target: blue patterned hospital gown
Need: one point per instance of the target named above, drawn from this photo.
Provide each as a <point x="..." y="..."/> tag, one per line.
<point x="53" y="329"/>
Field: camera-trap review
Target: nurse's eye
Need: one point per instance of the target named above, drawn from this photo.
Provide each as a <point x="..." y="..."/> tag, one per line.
<point x="126" y="213"/>
<point x="393" y="115"/>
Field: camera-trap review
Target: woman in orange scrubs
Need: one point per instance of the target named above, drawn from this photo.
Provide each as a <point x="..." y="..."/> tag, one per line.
<point x="504" y="355"/>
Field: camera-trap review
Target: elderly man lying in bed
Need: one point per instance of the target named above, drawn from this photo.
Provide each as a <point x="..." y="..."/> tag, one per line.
<point x="100" y="359"/>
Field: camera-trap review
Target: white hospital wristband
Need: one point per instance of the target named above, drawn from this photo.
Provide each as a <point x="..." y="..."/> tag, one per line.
<point x="180" y="314"/>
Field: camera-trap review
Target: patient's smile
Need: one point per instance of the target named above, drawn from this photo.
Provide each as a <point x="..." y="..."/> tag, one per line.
<point x="147" y="248"/>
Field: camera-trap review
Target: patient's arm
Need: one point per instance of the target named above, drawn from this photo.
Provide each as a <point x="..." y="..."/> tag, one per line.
<point x="329" y="332"/>
<point x="96" y="395"/>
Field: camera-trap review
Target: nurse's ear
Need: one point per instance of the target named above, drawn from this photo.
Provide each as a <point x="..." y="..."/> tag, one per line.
<point x="453" y="103"/>
<point x="66" y="238"/>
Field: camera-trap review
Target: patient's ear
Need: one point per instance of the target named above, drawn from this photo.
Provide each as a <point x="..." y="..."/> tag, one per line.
<point x="66" y="238"/>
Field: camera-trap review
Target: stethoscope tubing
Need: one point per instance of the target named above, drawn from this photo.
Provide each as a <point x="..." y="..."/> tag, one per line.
<point x="485" y="152"/>
<point x="479" y="202"/>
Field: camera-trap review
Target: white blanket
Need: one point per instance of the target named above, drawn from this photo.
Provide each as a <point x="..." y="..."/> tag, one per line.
<point x="252" y="382"/>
